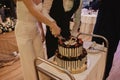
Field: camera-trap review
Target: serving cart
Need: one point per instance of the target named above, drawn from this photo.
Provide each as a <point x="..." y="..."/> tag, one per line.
<point x="96" y="64"/>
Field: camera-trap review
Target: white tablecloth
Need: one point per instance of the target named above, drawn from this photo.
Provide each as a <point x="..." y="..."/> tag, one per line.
<point x="88" y="19"/>
<point x="87" y="22"/>
<point x="95" y="70"/>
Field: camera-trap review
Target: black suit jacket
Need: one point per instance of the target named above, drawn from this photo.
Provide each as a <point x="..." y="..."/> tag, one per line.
<point x="108" y="25"/>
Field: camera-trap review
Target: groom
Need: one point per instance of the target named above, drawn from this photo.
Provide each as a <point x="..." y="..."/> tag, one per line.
<point x="61" y="11"/>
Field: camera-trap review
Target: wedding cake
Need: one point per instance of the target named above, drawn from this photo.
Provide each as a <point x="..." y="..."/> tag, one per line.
<point x="71" y="55"/>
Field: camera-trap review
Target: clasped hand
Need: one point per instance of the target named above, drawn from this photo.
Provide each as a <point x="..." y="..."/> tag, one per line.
<point x="55" y="30"/>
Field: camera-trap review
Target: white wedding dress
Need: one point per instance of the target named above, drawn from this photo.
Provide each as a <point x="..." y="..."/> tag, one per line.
<point x="29" y="42"/>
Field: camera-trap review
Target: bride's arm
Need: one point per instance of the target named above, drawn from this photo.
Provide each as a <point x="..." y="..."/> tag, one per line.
<point x="40" y="17"/>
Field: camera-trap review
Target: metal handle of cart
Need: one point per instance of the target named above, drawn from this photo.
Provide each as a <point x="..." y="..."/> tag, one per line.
<point x="97" y="36"/>
<point x="53" y="65"/>
<point x="58" y="67"/>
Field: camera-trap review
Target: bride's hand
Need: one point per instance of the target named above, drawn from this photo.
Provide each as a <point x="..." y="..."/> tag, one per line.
<point x="55" y="29"/>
